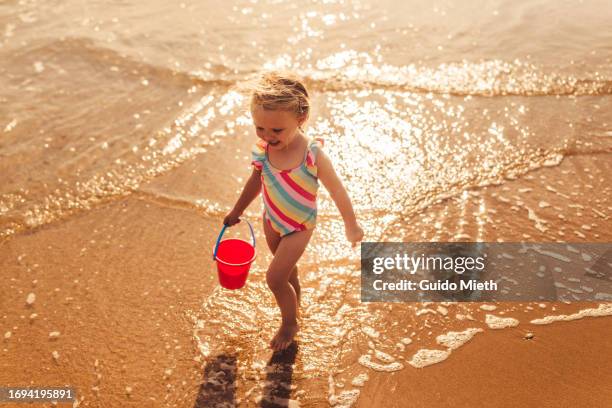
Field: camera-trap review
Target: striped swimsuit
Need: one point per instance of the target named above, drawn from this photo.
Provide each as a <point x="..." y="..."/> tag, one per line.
<point x="289" y="196"/>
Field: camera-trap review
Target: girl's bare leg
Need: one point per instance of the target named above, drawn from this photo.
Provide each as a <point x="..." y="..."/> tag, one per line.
<point x="273" y="239"/>
<point x="295" y="282"/>
<point x="288" y="252"/>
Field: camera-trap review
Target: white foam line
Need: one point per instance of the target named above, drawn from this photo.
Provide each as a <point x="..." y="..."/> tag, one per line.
<point x="604" y="309"/>
<point x="495" y="322"/>
<point x="366" y="361"/>
<point x="425" y="357"/>
<point x="453" y="340"/>
<point x="552" y="254"/>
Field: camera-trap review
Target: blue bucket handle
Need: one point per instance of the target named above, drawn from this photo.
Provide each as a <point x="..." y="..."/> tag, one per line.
<point x="221" y="235"/>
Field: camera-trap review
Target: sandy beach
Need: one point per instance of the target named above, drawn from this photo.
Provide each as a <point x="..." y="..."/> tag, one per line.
<point x="123" y="144"/>
<point x="128" y="308"/>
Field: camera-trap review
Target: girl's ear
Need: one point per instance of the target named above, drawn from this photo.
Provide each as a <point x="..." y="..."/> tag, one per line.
<point x="302" y="119"/>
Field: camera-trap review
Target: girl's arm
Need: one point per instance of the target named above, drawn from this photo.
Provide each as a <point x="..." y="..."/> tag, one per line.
<point x="249" y="193"/>
<point x="332" y="183"/>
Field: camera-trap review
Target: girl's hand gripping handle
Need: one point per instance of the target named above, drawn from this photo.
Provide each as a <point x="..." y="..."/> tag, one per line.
<point x="231" y="218"/>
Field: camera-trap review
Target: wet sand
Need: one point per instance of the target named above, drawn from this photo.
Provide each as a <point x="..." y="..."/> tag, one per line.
<point x="118" y="304"/>
<point x="564" y="365"/>
<point x="117" y="282"/>
<point x="124" y="282"/>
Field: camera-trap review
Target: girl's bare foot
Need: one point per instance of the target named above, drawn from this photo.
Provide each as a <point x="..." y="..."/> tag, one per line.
<point x="284" y="336"/>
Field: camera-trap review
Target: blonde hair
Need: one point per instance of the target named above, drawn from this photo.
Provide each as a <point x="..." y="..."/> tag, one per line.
<point x="276" y="90"/>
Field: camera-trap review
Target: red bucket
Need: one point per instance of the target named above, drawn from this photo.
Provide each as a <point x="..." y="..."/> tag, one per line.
<point x="234" y="257"/>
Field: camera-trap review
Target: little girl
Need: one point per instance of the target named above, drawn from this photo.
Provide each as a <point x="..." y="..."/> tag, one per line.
<point x="289" y="167"/>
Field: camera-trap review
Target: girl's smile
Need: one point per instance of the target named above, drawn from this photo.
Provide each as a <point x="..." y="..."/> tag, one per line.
<point x="276" y="127"/>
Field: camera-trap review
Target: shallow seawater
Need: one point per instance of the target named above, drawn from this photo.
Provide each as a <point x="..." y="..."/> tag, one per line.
<point x="344" y="341"/>
<point x="100" y="97"/>
<point x="447" y="122"/>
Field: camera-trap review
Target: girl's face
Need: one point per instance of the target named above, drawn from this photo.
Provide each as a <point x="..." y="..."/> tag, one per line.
<point x="278" y="128"/>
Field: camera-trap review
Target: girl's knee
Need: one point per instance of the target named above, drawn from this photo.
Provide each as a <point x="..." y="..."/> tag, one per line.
<point x="294" y="273"/>
<point x="275" y="281"/>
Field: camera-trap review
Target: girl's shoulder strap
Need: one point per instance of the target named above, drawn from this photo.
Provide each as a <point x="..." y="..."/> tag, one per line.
<point x="258" y="154"/>
<point x="315" y="145"/>
<point x="260" y="146"/>
<point x="314" y="148"/>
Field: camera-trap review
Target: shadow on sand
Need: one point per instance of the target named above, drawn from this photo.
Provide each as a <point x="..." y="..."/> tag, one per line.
<point x="279" y="373"/>
<point x="219" y="386"/>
